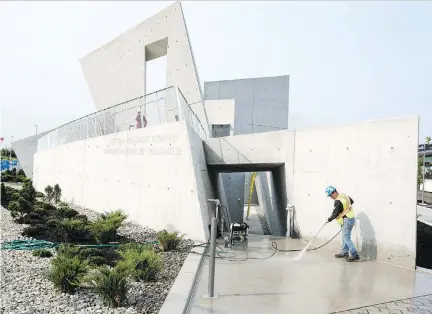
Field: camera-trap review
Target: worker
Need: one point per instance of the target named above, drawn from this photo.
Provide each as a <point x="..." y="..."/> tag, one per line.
<point x="138" y="119"/>
<point x="344" y="215"/>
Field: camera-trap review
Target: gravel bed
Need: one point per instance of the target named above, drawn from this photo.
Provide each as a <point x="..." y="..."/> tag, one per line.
<point x="24" y="289"/>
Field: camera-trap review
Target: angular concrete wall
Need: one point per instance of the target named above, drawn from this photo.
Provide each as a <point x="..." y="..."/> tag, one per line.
<point x="116" y="72"/>
<point x="271" y="203"/>
<point x="154" y="174"/>
<point x="25" y="150"/>
<point x="375" y="162"/>
<point x="261" y="104"/>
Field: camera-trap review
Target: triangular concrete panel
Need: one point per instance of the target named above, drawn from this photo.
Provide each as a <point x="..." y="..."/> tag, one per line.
<point x="116" y="72"/>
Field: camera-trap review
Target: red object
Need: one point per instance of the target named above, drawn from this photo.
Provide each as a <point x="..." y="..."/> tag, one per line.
<point x="2" y="139"/>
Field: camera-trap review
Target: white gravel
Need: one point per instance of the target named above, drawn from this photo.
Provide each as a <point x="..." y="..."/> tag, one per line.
<point x="24" y="289"/>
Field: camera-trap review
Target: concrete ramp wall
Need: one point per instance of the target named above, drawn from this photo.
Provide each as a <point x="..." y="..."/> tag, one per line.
<point x="157" y="175"/>
<point x="374" y="162"/>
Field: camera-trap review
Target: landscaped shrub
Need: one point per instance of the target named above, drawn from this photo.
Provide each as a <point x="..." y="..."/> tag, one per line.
<point x="104" y="229"/>
<point x="68" y="250"/>
<point x="69" y="230"/>
<point x="66" y="272"/>
<point x="4" y="195"/>
<point x="57" y="193"/>
<point x="109" y="284"/>
<point x="48" y="207"/>
<point x="42" y="253"/>
<point x="81" y="217"/>
<point x="140" y="264"/>
<point x="49" y="193"/>
<point x="15" y="196"/>
<point x="169" y="240"/>
<point x="7" y="177"/>
<point x="67" y="212"/>
<point x="96" y="260"/>
<point x="13" y="207"/>
<point x="33" y="231"/>
<point x="28" y="192"/>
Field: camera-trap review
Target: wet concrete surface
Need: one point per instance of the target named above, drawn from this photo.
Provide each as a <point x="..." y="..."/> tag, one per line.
<point x="317" y="283"/>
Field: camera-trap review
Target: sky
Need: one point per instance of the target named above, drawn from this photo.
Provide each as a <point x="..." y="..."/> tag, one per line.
<point x="348" y="61"/>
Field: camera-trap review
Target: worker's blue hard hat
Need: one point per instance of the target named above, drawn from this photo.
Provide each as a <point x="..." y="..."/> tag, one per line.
<point x="329" y="190"/>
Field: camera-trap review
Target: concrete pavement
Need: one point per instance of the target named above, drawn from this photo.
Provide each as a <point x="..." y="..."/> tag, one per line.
<point x="317" y="283"/>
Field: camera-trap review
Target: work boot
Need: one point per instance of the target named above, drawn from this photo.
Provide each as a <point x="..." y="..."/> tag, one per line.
<point x="341" y="255"/>
<point x="353" y="258"/>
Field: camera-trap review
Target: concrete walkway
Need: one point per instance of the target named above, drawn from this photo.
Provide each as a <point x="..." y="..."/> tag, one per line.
<point x="317" y="283"/>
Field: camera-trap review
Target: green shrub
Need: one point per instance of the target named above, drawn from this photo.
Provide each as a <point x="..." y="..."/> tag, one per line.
<point x="21" y="179"/>
<point x="110" y="285"/>
<point x="49" y="193"/>
<point x="141" y="264"/>
<point x="28" y="192"/>
<point x="48" y="207"/>
<point x="41" y="211"/>
<point x="134" y="246"/>
<point x="4" y="196"/>
<point x="57" y="193"/>
<point x="18" y="212"/>
<point x="33" y="231"/>
<point x="66" y="272"/>
<point x="13" y="207"/>
<point x="69" y="230"/>
<point x="68" y="250"/>
<point x="96" y="260"/>
<point x="39" y="194"/>
<point x="169" y="240"/>
<point x="104" y="229"/>
<point x="15" y="196"/>
<point x="42" y="253"/>
<point x="67" y="212"/>
<point x="7" y="178"/>
<point x="89" y="252"/>
<point x="21" y="173"/>
<point x="83" y="218"/>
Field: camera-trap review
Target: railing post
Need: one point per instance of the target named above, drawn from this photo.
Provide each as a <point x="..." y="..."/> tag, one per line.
<point x="179" y="104"/>
<point x="212" y="258"/>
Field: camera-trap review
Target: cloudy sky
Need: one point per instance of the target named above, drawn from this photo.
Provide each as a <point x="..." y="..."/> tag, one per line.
<point x="348" y="61"/>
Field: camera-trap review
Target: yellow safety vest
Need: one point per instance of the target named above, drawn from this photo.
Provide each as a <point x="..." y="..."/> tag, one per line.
<point x="347" y="209"/>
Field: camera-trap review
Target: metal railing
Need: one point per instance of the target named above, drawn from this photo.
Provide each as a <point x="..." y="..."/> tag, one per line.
<point x="163" y="106"/>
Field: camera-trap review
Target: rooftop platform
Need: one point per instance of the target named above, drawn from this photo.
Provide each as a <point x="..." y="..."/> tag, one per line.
<point x="316" y="283"/>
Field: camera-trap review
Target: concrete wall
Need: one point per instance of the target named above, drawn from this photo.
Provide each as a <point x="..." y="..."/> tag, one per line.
<point x="271" y="203"/>
<point x="371" y="161"/>
<point x="25" y="150"/>
<point x="221" y="112"/>
<point x="261" y="104"/>
<point x="151" y="173"/>
<point x="116" y="72"/>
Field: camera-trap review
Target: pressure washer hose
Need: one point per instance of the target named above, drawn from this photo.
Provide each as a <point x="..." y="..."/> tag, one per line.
<point x="274" y="246"/>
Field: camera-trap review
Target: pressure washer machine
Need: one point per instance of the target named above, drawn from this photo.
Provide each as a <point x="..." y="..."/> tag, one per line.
<point x="238" y="234"/>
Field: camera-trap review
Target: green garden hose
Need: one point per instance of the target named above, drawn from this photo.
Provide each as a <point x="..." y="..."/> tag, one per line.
<point x="41" y="244"/>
